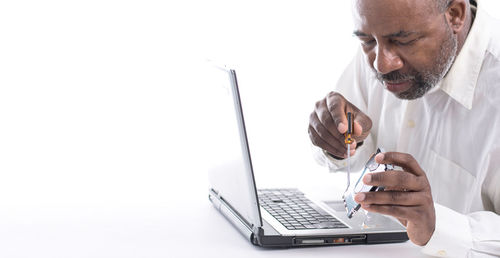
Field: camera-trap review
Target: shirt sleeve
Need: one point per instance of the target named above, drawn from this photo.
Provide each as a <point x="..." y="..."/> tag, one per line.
<point x="458" y="235"/>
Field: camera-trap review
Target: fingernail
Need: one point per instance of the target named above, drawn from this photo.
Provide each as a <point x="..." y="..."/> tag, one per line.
<point x="380" y="157"/>
<point x="360" y="197"/>
<point x="352" y="152"/>
<point x="367" y="178"/>
<point x="342" y="128"/>
<point x="366" y="206"/>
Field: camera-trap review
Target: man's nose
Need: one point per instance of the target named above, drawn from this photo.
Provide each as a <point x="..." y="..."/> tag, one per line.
<point x="387" y="61"/>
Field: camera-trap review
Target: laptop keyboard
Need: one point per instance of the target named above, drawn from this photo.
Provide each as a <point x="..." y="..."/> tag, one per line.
<point x="294" y="211"/>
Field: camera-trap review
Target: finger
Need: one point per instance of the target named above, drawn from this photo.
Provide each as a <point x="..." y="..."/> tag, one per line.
<point x="324" y="123"/>
<point x="362" y="123"/>
<point x="326" y="136"/>
<point x="400" y="212"/>
<point x="406" y="161"/>
<point x="395" y="180"/>
<point x="358" y="129"/>
<point x="318" y="141"/>
<point x="336" y="106"/>
<point x="391" y="198"/>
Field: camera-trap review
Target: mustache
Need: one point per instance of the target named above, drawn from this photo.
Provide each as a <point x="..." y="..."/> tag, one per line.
<point x="395" y="77"/>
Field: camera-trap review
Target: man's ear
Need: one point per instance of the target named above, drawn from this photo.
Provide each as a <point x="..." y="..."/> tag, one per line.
<point x="456" y="15"/>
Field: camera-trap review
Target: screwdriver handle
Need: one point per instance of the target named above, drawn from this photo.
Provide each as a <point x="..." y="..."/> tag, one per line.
<point x="349" y="123"/>
<point x="348" y="137"/>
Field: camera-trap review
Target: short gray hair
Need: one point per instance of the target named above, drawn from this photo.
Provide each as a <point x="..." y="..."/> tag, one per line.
<point x="442" y="5"/>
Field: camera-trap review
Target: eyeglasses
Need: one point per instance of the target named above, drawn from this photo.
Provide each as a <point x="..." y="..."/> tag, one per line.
<point x="371" y="166"/>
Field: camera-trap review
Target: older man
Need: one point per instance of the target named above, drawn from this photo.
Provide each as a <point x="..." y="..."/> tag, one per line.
<point x="426" y="85"/>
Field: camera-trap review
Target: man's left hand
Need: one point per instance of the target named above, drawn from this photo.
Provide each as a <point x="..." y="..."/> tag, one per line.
<point x="407" y="196"/>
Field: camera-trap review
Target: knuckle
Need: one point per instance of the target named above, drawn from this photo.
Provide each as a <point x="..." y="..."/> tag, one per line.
<point x="368" y="197"/>
<point x="317" y="105"/>
<point x="324" y="117"/>
<point x="312" y="117"/>
<point x="408" y="158"/>
<point x="395" y="197"/>
<point x="377" y="177"/>
<point x="333" y="94"/>
<point x="315" y="142"/>
<point x="423" y="183"/>
<point x="334" y="106"/>
<point x="312" y="135"/>
<point x="401" y="179"/>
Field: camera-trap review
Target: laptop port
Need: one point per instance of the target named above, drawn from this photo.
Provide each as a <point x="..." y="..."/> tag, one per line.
<point x="358" y="239"/>
<point x="310" y="241"/>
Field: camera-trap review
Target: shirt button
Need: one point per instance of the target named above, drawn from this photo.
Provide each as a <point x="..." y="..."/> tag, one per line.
<point x="441" y="253"/>
<point x="411" y="124"/>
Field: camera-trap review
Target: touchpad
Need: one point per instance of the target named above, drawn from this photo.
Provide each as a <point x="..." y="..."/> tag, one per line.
<point x="335" y="205"/>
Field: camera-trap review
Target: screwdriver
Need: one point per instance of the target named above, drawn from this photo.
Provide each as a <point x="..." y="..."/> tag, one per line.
<point x="348" y="140"/>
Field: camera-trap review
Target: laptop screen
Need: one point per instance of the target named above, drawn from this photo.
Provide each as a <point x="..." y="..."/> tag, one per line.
<point x="230" y="172"/>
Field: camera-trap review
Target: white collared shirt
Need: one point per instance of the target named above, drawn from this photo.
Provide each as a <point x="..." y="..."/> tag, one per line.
<point x="453" y="132"/>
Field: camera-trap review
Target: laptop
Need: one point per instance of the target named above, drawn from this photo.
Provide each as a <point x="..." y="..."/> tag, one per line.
<point x="277" y="217"/>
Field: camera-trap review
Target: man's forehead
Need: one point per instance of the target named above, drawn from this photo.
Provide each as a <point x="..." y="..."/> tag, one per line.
<point x="395" y="7"/>
<point x="392" y="16"/>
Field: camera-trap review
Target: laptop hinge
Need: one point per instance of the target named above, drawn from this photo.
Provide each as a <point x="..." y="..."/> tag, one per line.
<point x="232" y="216"/>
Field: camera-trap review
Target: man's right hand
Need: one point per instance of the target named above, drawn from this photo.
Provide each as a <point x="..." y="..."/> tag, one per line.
<point x="328" y="123"/>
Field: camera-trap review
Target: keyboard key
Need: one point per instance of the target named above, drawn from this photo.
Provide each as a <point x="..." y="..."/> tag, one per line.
<point x="294" y="211"/>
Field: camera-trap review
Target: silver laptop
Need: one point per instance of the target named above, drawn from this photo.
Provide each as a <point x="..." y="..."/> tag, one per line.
<point x="278" y="217"/>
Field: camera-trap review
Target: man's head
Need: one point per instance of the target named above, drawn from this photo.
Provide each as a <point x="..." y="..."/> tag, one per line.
<point x="411" y="44"/>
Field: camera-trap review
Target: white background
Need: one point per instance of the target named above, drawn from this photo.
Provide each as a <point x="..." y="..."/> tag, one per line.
<point x="102" y="102"/>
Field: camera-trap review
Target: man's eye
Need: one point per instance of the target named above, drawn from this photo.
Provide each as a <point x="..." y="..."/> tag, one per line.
<point x="368" y="42"/>
<point x="404" y="43"/>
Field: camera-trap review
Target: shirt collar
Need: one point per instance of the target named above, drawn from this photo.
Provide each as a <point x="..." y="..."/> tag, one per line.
<point x="461" y="80"/>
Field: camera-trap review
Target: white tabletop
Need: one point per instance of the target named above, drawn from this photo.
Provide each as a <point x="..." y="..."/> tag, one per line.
<point x="185" y="225"/>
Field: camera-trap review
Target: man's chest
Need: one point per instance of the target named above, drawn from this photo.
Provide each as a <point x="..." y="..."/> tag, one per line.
<point x="449" y="141"/>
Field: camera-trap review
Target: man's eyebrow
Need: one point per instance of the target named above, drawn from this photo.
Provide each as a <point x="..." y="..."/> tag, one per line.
<point x="359" y="34"/>
<point x="399" y="34"/>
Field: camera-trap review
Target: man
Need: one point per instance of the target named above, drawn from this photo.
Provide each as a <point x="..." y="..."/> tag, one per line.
<point x="425" y="85"/>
